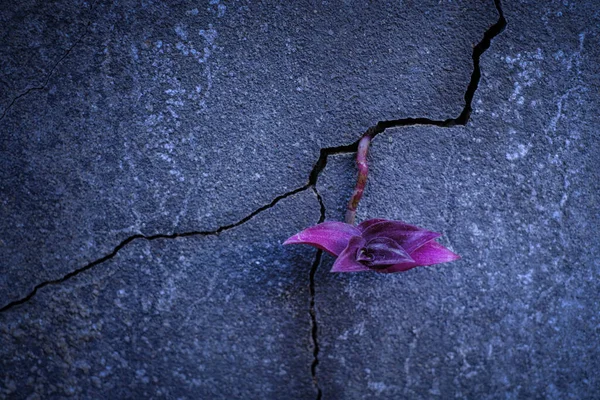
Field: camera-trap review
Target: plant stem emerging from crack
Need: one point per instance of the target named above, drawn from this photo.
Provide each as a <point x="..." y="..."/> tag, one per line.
<point x="363" y="173"/>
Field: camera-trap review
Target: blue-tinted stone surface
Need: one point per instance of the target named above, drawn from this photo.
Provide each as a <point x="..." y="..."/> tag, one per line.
<point x="120" y="119"/>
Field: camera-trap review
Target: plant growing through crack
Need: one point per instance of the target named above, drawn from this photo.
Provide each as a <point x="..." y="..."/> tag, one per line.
<point x="379" y="245"/>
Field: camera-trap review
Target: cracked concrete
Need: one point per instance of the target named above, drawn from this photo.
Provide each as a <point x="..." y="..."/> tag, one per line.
<point x="300" y="78"/>
<point x="312" y="309"/>
<point x="514" y="192"/>
<point x="41" y="35"/>
<point x="174" y="317"/>
<point x="130" y="131"/>
<point x="158" y="236"/>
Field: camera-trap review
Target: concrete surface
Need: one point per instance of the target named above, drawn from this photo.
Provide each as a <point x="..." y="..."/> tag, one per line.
<point x="155" y="156"/>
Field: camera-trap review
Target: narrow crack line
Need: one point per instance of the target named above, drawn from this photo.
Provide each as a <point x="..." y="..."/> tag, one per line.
<point x="312" y="308"/>
<point x="321" y="203"/>
<point x="313" y="178"/>
<point x="463" y="118"/>
<point x="314" y="325"/>
<point x="322" y="161"/>
<point x="132" y="238"/>
<point x="54" y="67"/>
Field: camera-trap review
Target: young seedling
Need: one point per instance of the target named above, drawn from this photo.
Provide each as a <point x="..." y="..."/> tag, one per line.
<point x="379" y="245"/>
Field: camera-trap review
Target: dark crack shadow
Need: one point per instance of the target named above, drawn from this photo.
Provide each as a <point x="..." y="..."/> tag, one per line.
<point x="312" y="309"/>
<point x="135" y="237"/>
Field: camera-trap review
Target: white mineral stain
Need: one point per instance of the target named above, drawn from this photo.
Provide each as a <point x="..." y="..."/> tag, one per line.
<point x="529" y="72"/>
<point x="520" y="152"/>
<point x="181" y="32"/>
<point x="209" y="34"/>
<point x="476" y="231"/>
<point x="183" y="48"/>
<point x="134" y="52"/>
<point x="379" y="387"/>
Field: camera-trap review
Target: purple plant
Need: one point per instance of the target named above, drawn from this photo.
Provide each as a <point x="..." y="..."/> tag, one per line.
<point x="376" y="244"/>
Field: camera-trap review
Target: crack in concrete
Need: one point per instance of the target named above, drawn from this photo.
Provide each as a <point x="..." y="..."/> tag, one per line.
<point x="132" y="238"/>
<point x="313" y="178"/>
<point x="465" y="115"/>
<point x="381" y="127"/>
<point x="319" y="166"/>
<point x="54" y="67"/>
<point x="312" y="309"/>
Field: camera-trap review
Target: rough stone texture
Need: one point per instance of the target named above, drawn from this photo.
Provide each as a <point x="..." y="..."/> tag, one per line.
<point x="187" y="117"/>
<point x="197" y="317"/>
<point x="516" y="194"/>
<point x="36" y="36"/>
<point x="179" y="116"/>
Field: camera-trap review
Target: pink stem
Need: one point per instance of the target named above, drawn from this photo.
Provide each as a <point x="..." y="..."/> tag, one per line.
<point x="363" y="172"/>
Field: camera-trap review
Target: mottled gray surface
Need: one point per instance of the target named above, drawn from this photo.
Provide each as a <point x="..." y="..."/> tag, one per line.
<point x="198" y="317"/>
<point x="179" y="116"/>
<point x="188" y="117"/>
<point x="36" y="36"/>
<point x="516" y="194"/>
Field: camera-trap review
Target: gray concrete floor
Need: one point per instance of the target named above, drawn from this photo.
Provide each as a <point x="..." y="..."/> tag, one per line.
<point x="155" y="155"/>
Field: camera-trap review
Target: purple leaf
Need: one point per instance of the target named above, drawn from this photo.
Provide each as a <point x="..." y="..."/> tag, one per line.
<point x="331" y="236"/>
<point x="408" y="236"/>
<point x="365" y="224"/>
<point x="402" y="267"/>
<point x="433" y="253"/>
<point x="381" y="253"/>
<point x="387" y="225"/>
<point x="428" y="254"/>
<point x="346" y="262"/>
<point x="376" y="244"/>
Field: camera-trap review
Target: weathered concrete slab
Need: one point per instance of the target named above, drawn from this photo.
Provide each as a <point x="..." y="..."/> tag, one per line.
<point x="179" y="116"/>
<point x="183" y="117"/>
<point x="199" y="317"/>
<point x="36" y="36"/>
<point x="516" y="194"/>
